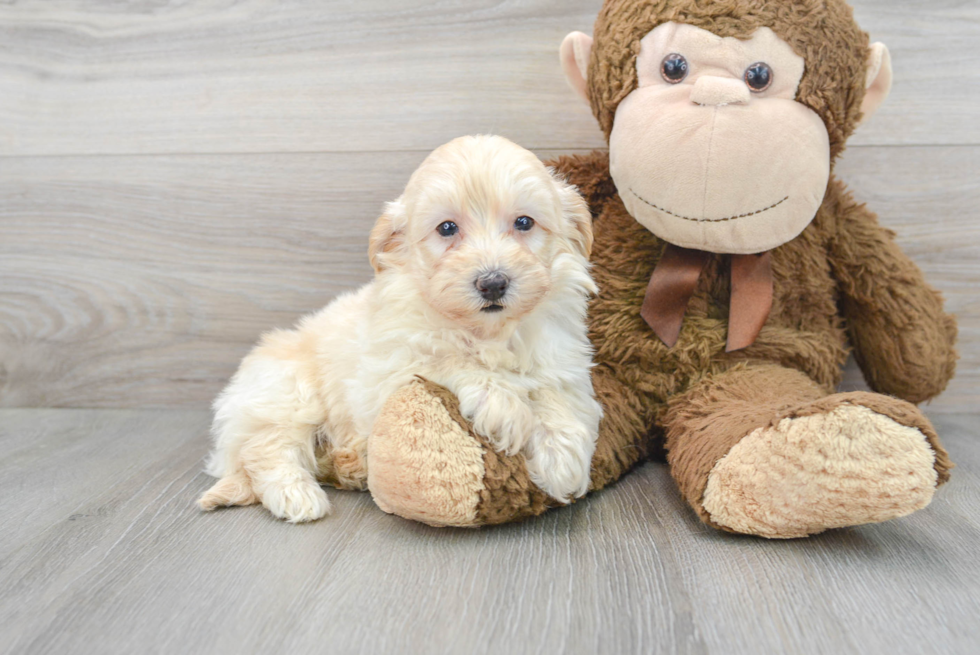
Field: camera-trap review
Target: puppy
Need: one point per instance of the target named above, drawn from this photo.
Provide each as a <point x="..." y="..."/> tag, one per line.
<point x="482" y="283"/>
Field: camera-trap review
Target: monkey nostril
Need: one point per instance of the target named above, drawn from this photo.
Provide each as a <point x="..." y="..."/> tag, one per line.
<point x="492" y="286"/>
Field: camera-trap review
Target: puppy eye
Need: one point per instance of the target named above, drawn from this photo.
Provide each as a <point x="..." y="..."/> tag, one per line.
<point x="524" y="223"/>
<point x="759" y="77"/>
<point x="674" y="68"/>
<point x="447" y="229"/>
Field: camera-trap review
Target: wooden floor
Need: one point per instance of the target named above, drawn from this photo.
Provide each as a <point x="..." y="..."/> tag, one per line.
<point x="102" y="551"/>
<point x="177" y="176"/>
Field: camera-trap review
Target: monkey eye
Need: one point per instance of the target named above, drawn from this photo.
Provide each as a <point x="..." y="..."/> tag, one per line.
<point x="524" y="223"/>
<point x="759" y="77"/>
<point x="674" y="68"/>
<point x="447" y="229"/>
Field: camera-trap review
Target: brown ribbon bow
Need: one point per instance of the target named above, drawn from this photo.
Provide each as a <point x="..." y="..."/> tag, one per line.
<point x="673" y="283"/>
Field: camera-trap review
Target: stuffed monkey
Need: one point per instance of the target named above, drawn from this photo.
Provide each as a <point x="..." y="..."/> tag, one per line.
<point x="734" y="269"/>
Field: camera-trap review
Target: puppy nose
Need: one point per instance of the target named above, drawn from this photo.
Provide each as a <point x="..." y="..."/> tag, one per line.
<point x="493" y="285"/>
<point x="713" y="91"/>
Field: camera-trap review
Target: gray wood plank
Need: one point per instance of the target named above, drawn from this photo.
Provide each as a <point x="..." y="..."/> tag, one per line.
<point x="55" y="464"/>
<point x="158" y="273"/>
<point x="115" y="559"/>
<point x="271" y="76"/>
<point x="142" y="281"/>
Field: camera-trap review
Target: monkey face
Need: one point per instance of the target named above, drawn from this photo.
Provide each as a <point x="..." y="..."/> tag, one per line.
<point x="712" y="151"/>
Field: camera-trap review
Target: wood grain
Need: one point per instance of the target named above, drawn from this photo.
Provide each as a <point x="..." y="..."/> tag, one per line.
<point x="178" y="176"/>
<point x="142" y="281"/>
<point x="235" y="76"/>
<point x="156" y="274"/>
<point x="104" y="552"/>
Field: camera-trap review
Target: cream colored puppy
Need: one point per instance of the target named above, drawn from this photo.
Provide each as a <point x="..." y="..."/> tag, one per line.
<point x="481" y="286"/>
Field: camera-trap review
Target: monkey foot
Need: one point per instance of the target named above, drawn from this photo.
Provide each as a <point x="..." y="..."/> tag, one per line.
<point x="426" y="464"/>
<point x="843" y="467"/>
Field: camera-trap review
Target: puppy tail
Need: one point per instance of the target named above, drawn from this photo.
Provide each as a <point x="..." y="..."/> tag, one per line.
<point x="235" y="489"/>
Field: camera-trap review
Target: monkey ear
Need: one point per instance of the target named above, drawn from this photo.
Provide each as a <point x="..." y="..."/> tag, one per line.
<point x="386" y="237"/>
<point x="576" y="50"/>
<point x="575" y="212"/>
<point x="879" y="81"/>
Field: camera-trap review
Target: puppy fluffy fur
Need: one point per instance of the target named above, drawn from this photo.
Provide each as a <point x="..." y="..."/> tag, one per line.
<point x="302" y="404"/>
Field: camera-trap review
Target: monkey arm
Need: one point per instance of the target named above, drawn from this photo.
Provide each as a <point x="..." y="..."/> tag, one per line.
<point x="590" y="174"/>
<point x="902" y="338"/>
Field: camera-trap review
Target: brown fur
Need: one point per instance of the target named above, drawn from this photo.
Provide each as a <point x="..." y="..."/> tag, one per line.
<point x="842" y="280"/>
<point x="697" y="400"/>
<point x="703" y="423"/>
<point x="844" y="276"/>
<point x="645" y="387"/>
<point x="508" y="493"/>
<point x="844" y="250"/>
<point x="706" y="421"/>
<point x="902" y="339"/>
<point x="823" y="32"/>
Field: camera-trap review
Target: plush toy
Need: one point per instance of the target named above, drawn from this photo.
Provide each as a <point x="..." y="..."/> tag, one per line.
<point x="733" y="271"/>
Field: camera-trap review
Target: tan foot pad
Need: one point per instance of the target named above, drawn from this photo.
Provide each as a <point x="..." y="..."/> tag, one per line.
<point x="847" y="467"/>
<point x="423" y="465"/>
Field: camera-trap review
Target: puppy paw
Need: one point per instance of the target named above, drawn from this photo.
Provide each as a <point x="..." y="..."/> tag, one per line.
<point x="560" y="463"/>
<point x="498" y="414"/>
<point x="296" y="501"/>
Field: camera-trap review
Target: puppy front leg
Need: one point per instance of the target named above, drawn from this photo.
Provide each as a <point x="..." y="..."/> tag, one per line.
<point x="499" y="411"/>
<point x="559" y="452"/>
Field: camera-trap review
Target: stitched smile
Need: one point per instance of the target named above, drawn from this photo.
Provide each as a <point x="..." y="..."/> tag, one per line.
<point x="709" y="220"/>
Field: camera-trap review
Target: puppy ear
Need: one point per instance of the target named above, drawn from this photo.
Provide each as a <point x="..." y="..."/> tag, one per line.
<point x="576" y="212"/>
<point x="386" y="237"/>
